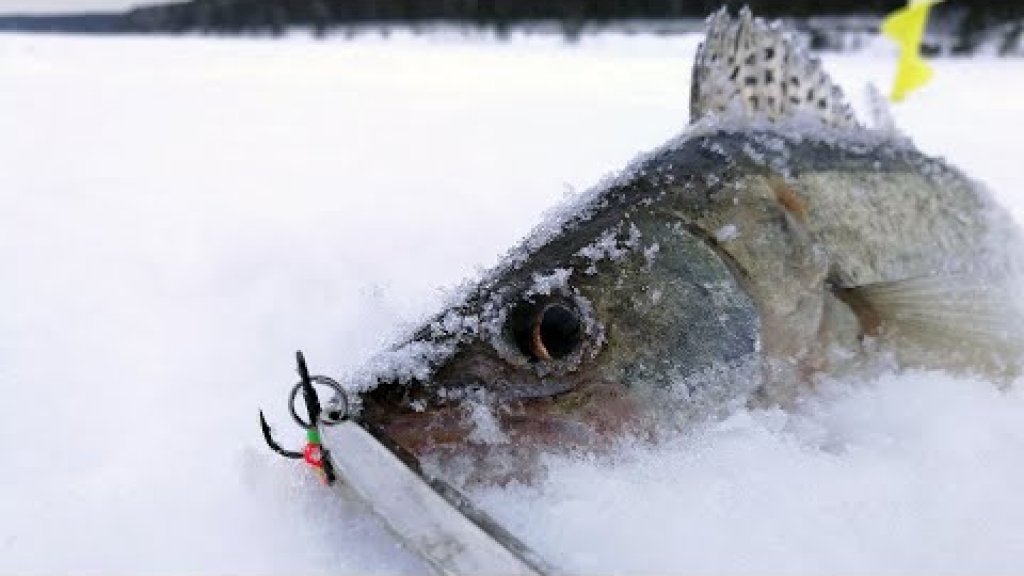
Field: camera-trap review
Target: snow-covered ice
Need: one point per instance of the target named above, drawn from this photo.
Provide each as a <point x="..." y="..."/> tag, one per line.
<point x="177" y="216"/>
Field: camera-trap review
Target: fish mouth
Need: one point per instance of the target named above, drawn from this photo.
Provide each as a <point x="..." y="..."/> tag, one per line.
<point x="426" y="425"/>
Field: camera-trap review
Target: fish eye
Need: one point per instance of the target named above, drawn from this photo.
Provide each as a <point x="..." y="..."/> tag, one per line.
<point x="548" y="331"/>
<point x="555" y="332"/>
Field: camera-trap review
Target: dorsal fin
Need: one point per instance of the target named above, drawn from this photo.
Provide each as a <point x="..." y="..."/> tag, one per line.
<point x="760" y="68"/>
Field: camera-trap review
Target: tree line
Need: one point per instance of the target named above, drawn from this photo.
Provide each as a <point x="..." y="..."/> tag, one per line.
<point x="971" y="20"/>
<point x="238" y="15"/>
<point x="968" y="23"/>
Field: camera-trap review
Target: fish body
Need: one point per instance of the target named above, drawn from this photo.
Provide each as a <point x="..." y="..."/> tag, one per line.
<point x="775" y="242"/>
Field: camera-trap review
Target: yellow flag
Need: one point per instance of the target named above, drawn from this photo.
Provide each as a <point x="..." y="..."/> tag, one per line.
<point x="906" y="27"/>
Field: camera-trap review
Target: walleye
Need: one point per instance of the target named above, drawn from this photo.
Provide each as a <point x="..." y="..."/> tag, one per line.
<point x="777" y="241"/>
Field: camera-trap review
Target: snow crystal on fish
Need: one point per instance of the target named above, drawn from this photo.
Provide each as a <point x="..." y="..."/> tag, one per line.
<point x="609" y="246"/>
<point x="727" y="233"/>
<point x="547" y="284"/>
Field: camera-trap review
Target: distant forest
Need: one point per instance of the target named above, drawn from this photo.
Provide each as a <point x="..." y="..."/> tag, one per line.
<point x="969" y="22"/>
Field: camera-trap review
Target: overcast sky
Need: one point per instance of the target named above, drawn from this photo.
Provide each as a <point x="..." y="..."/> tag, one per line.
<point x="58" y="6"/>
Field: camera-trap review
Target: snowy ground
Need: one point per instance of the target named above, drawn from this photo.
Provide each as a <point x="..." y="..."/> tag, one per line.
<point x="177" y="216"/>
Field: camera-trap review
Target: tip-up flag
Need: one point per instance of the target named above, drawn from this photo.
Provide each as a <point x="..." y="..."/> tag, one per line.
<point x="906" y="26"/>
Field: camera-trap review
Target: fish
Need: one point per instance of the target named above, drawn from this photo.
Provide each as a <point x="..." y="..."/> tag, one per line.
<point x="778" y="241"/>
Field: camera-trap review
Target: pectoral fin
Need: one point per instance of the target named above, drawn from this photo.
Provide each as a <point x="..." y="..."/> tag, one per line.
<point x="947" y="320"/>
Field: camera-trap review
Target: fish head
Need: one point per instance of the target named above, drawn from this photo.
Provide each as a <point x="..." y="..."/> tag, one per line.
<point x="772" y="239"/>
<point x="632" y="307"/>
<point x="591" y="331"/>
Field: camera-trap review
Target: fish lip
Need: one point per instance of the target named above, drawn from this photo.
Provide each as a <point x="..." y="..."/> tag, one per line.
<point x="579" y="417"/>
<point x="440" y="409"/>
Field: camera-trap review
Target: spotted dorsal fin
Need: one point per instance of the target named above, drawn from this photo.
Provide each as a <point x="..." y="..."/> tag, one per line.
<point x="761" y="69"/>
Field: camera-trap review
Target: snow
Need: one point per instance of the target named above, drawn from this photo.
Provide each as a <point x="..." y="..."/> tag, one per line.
<point x="912" y="473"/>
<point x="727" y="233"/>
<point x="179" y="215"/>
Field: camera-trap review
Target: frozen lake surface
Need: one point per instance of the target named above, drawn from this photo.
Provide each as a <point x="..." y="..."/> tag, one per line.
<point x="177" y="216"/>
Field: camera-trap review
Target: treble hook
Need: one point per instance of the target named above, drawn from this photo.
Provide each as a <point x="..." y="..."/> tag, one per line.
<point x="314" y="453"/>
<point x="273" y="444"/>
<point x="308" y="393"/>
